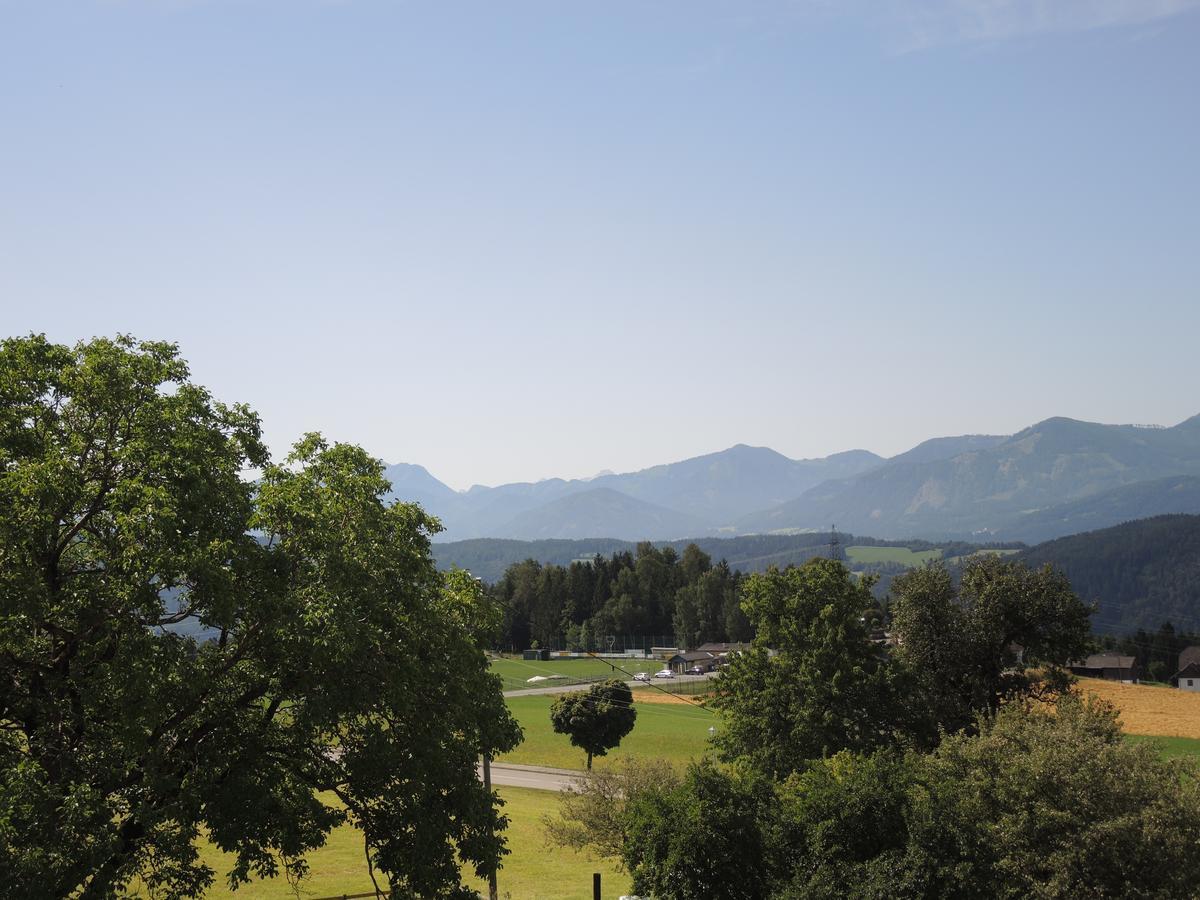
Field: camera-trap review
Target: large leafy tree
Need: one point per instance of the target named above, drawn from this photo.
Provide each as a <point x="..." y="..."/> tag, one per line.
<point x="597" y="719"/>
<point x="813" y="683"/>
<point x="701" y="838"/>
<point x="1003" y="631"/>
<point x="1053" y="805"/>
<point x="336" y="659"/>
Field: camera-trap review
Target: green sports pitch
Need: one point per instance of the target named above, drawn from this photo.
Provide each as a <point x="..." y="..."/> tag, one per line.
<point x="515" y="673"/>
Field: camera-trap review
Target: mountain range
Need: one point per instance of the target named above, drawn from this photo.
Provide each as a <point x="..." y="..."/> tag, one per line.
<point x="1057" y="477"/>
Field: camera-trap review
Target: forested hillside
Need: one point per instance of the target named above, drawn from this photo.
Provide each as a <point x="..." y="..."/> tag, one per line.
<point x="487" y="558"/>
<point x="1140" y="574"/>
<point x="574" y="594"/>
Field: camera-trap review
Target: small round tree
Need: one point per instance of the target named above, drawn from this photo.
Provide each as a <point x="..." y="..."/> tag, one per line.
<point x="596" y="719"/>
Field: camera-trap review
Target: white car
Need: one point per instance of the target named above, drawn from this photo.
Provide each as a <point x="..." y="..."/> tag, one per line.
<point x="664" y="673"/>
<point x="642" y="676"/>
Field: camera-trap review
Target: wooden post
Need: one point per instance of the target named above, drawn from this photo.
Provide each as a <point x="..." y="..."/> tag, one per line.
<point x="595" y="886"/>
<point x="487" y="786"/>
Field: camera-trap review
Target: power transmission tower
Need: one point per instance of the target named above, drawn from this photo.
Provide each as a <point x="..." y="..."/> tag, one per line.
<point x="835" y="544"/>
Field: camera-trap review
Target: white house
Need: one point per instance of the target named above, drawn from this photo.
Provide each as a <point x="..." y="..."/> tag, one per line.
<point x="1188" y="678"/>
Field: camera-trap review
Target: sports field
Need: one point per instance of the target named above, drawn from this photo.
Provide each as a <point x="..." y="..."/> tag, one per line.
<point x="515" y="673"/>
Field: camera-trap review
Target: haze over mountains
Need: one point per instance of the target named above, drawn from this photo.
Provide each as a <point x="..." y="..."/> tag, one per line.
<point x="1057" y="477"/>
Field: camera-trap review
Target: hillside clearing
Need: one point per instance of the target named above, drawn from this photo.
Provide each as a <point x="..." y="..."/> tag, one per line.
<point x="902" y="555"/>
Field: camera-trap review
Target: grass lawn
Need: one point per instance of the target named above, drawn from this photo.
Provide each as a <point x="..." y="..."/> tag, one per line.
<point x="902" y="555"/>
<point x="676" y="732"/>
<point x="1169" y="747"/>
<point x="538" y="872"/>
<point x="516" y="673"/>
<point x="532" y="870"/>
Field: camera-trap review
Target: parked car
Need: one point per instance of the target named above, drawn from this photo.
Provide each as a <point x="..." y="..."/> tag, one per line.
<point x="664" y="673"/>
<point x="695" y="670"/>
<point x="642" y="676"/>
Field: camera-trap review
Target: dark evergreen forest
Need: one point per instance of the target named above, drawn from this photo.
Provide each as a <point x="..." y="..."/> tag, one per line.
<point x="1139" y="574"/>
<point x="654" y="594"/>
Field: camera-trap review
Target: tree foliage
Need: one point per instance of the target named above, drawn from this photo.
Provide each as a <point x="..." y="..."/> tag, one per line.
<point x="825" y="688"/>
<point x="123" y="515"/>
<point x="701" y="838"/>
<point x="1003" y="632"/>
<point x="593" y="810"/>
<point x="1053" y="805"/>
<point x="654" y="591"/>
<point x="596" y="719"/>
<point x="1026" y="804"/>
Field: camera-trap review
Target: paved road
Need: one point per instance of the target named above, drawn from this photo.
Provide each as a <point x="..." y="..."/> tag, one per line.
<point x="565" y="688"/>
<point x="542" y="778"/>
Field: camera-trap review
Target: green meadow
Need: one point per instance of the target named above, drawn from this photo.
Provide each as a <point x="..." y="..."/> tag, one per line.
<point x="902" y="555"/>
<point x="677" y="732"/>
<point x="1169" y="747"/>
<point x="531" y="870"/>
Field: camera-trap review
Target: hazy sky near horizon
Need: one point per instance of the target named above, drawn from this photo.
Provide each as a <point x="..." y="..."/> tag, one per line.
<point x="515" y="240"/>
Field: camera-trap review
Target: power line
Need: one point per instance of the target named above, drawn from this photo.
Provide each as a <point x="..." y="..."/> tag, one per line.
<point x="651" y="684"/>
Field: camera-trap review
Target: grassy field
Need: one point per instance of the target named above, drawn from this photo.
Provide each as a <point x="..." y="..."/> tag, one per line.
<point x="674" y="731"/>
<point x="902" y="555"/>
<point x="516" y="673"/>
<point x="539" y="872"/>
<point x="1170" y="747"/>
<point x="532" y="870"/>
<point x="677" y="732"/>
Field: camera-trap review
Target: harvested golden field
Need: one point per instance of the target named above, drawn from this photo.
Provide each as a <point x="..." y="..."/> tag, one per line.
<point x="660" y="697"/>
<point x="1150" y="710"/>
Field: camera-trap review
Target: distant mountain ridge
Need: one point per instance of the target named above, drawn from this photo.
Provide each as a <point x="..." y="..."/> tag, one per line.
<point x="1053" y="478"/>
<point x="990" y="491"/>
<point x="703" y="493"/>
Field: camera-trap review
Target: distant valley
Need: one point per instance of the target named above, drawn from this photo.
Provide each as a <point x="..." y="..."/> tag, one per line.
<point x="1140" y="573"/>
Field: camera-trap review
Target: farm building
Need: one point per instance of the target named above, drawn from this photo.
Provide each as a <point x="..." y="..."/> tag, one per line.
<point x="1187" y="656"/>
<point x="1109" y="666"/>
<point x="681" y="662"/>
<point x="1188" y="678"/>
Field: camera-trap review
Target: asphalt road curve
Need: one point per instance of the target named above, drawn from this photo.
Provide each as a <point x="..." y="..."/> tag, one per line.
<point x="583" y="686"/>
<point x="540" y="778"/>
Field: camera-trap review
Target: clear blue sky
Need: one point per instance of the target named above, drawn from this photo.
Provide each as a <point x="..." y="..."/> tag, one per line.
<point x="510" y="240"/>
